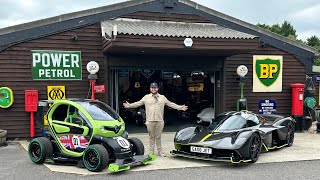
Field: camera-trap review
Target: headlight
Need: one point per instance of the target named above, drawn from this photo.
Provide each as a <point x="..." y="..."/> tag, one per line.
<point x="102" y="129"/>
<point x="178" y="134"/>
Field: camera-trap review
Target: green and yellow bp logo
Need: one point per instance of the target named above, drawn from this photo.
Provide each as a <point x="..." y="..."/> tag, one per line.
<point x="267" y="76"/>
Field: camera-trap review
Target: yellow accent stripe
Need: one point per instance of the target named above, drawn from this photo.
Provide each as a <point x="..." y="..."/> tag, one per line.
<point x="237" y="162"/>
<point x="209" y="159"/>
<point x="265" y="147"/>
<point x="278" y="147"/>
<point x="206" y="137"/>
<point x="274" y="147"/>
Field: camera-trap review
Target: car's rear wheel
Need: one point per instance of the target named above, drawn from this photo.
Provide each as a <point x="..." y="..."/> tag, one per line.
<point x="290" y="134"/>
<point x="137" y="146"/>
<point x="95" y="158"/>
<point x="255" y="147"/>
<point x="40" y="149"/>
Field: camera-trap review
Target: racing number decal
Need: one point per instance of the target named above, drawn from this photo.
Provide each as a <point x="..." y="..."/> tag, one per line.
<point x="72" y="142"/>
<point x="123" y="142"/>
<point x="75" y="140"/>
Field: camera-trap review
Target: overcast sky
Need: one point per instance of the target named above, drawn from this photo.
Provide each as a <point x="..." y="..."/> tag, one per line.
<point x="304" y="15"/>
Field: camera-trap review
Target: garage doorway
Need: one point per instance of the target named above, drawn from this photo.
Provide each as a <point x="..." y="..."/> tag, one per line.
<point x="199" y="89"/>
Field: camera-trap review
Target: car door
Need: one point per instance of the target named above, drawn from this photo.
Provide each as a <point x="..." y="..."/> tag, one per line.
<point x="71" y="132"/>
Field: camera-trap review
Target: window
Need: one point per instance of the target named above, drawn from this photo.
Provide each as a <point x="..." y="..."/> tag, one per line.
<point x="99" y="111"/>
<point x="252" y="121"/>
<point x="215" y="122"/>
<point x="60" y="113"/>
<point x="232" y="122"/>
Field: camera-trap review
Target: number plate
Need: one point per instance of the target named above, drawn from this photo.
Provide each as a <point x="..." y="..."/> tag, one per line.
<point x="201" y="150"/>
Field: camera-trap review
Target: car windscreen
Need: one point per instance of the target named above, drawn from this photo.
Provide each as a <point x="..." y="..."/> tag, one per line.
<point x="99" y="111"/>
<point x="232" y="123"/>
<point x="216" y="121"/>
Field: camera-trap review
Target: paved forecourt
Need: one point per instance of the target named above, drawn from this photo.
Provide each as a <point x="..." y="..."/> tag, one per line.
<point x="306" y="147"/>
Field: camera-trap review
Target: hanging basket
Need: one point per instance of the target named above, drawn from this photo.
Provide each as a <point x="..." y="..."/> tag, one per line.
<point x="3" y="137"/>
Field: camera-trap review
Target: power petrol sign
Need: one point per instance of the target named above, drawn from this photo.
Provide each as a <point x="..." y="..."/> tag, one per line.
<point x="56" y="65"/>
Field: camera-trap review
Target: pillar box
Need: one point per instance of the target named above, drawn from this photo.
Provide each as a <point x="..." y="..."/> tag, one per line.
<point x="31" y="105"/>
<point x="297" y="104"/>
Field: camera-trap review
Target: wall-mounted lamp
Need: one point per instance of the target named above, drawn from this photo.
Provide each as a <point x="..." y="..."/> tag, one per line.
<point x="74" y="37"/>
<point x="115" y="31"/>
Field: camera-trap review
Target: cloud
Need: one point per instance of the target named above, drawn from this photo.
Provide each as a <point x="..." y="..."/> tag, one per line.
<point x="310" y="14"/>
<point x="306" y="21"/>
<point x="303" y="15"/>
<point x="307" y="34"/>
<point x="14" y="12"/>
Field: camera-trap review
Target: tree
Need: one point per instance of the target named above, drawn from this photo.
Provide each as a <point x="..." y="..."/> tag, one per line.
<point x="313" y="41"/>
<point x="287" y="30"/>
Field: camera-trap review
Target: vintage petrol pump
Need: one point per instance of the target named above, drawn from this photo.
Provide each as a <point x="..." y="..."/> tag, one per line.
<point x="297" y="104"/>
<point x="92" y="68"/>
<point x="242" y="71"/>
<point x="31" y="105"/>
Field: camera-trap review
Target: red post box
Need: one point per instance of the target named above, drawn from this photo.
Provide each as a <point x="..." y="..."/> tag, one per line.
<point x="31" y="100"/>
<point x="297" y="99"/>
<point x="31" y="105"/>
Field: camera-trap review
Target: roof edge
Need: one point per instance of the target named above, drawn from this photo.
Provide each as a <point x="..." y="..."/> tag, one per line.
<point x="73" y="15"/>
<point x="249" y="26"/>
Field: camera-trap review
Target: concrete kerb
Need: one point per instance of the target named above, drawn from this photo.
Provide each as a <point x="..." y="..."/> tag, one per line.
<point x="305" y="148"/>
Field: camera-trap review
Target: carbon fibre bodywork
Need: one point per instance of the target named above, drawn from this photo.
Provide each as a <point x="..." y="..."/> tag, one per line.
<point x="234" y="144"/>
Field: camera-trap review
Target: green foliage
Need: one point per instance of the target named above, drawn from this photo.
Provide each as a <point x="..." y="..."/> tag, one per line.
<point x="287" y="30"/>
<point x="313" y="41"/>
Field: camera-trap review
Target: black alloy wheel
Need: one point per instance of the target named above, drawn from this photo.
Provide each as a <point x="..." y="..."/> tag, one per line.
<point x="255" y="147"/>
<point x="40" y="149"/>
<point x="96" y="158"/>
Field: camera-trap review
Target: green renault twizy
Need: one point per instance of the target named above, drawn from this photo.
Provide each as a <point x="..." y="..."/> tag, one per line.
<point x="88" y="132"/>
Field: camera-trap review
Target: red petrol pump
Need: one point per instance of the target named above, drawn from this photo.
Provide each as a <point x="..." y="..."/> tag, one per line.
<point x="92" y="68"/>
<point x="297" y="104"/>
<point x="31" y="105"/>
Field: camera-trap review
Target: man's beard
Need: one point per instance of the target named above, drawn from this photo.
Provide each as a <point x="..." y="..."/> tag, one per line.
<point x="154" y="93"/>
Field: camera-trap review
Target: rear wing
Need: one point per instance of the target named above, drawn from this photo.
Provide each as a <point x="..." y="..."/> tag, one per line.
<point x="43" y="107"/>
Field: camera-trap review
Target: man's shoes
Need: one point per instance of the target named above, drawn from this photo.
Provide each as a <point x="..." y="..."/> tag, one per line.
<point x="161" y="154"/>
<point x="151" y="152"/>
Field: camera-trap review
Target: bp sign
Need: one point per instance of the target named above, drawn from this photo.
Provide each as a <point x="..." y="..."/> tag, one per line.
<point x="56" y="65"/>
<point x="267" y="73"/>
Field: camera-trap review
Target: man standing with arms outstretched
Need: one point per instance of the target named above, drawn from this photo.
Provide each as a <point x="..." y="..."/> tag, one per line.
<point x="154" y="104"/>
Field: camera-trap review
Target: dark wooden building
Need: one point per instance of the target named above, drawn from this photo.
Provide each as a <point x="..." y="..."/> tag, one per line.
<point x="147" y="34"/>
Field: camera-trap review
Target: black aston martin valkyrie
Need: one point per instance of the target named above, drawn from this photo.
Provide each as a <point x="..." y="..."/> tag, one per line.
<point x="235" y="137"/>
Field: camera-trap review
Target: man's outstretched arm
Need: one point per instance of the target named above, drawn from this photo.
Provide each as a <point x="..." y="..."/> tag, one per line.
<point x="134" y="105"/>
<point x="176" y="106"/>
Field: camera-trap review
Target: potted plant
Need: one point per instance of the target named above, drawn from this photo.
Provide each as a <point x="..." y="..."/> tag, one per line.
<point x="3" y="137"/>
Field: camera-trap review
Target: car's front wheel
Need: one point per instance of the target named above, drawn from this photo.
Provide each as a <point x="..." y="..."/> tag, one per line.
<point x="40" y="149"/>
<point x="255" y="147"/>
<point x="95" y="158"/>
<point x="137" y="146"/>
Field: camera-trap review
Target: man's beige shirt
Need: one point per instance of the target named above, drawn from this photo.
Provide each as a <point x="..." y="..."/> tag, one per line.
<point x="154" y="105"/>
